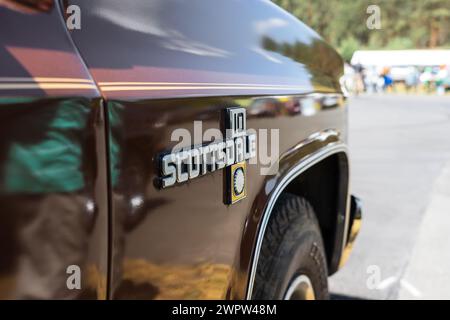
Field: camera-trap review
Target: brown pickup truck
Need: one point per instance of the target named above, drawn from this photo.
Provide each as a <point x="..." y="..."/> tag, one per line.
<point x="162" y="149"/>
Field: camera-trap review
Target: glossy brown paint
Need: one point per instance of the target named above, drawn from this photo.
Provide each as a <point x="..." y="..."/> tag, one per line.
<point x="187" y="229"/>
<point x="53" y="208"/>
<point x="163" y="65"/>
<point x="160" y="66"/>
<point x="169" y="49"/>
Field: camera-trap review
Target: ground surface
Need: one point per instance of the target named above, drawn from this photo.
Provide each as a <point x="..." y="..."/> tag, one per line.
<point x="400" y="152"/>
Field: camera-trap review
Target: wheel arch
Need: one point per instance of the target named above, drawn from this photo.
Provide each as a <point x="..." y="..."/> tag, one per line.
<point x="308" y="177"/>
<point x="325" y="186"/>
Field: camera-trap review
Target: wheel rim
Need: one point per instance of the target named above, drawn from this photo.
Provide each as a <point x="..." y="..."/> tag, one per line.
<point x="300" y="289"/>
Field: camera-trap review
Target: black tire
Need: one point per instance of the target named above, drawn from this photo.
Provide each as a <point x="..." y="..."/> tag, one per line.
<point x="292" y="246"/>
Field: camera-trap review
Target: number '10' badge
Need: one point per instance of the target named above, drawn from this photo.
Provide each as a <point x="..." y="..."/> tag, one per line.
<point x="235" y="177"/>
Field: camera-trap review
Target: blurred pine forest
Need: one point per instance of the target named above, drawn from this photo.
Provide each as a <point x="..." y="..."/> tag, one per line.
<point x="405" y="24"/>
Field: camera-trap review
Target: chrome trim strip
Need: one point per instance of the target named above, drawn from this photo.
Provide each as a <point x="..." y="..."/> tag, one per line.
<point x="209" y="84"/>
<point x="50" y="86"/>
<point x="51" y="83"/>
<point x="207" y="87"/>
<point x="44" y="79"/>
<point x="302" y="166"/>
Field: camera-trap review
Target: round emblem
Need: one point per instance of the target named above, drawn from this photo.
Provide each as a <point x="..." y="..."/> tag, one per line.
<point x="239" y="181"/>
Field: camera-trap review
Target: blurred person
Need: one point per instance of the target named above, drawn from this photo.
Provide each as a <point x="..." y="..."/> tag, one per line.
<point x="441" y="79"/>
<point x="359" y="78"/>
<point x="387" y="79"/>
<point x="380" y="79"/>
<point x="447" y="80"/>
<point x="371" y="80"/>
<point x="427" y="79"/>
<point x="412" y="79"/>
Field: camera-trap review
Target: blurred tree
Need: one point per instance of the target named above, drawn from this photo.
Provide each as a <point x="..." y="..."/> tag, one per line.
<point x="347" y="47"/>
<point x="400" y="43"/>
<point x="405" y="24"/>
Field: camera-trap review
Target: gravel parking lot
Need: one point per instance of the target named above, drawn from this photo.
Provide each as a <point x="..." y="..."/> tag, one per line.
<point x="400" y="152"/>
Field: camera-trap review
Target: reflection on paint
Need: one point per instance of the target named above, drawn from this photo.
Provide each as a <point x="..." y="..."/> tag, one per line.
<point x="145" y="280"/>
<point x="46" y="209"/>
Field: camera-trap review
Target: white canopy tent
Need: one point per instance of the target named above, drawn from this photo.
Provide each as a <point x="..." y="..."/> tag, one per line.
<point x="399" y="58"/>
